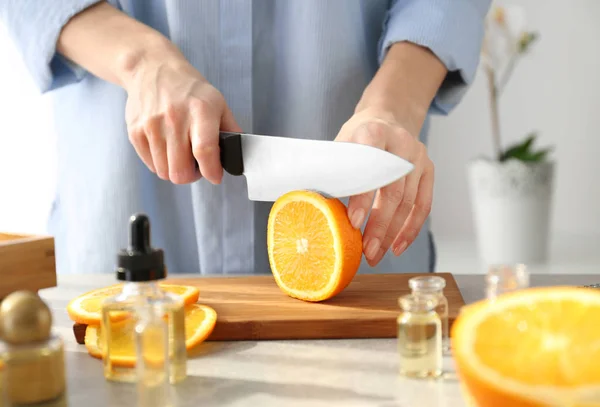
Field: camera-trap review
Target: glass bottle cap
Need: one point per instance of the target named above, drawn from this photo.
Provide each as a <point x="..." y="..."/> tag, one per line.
<point x="427" y="283"/>
<point x="418" y="303"/>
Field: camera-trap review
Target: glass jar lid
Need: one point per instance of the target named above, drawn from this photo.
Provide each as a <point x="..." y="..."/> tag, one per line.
<point x="427" y="283"/>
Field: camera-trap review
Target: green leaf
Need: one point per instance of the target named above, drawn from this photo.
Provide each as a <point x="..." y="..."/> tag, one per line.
<point x="520" y="149"/>
<point x="539" y="156"/>
<point x="526" y="40"/>
<point x="524" y="152"/>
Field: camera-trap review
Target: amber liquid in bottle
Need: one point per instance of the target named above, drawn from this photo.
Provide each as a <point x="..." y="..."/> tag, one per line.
<point x="121" y="314"/>
<point x="434" y="285"/>
<point x="419" y="337"/>
<point x="152" y="362"/>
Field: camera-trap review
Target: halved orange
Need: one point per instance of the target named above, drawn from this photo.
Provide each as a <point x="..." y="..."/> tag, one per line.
<point x="537" y="347"/>
<point x="314" y="251"/>
<point x="200" y="321"/>
<point x="86" y="308"/>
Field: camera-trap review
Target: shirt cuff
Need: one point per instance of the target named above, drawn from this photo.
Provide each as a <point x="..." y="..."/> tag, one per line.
<point x="34" y="27"/>
<point x="452" y="29"/>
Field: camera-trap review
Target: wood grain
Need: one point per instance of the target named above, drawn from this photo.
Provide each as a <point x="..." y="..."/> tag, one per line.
<point x="253" y="308"/>
<point x="26" y="263"/>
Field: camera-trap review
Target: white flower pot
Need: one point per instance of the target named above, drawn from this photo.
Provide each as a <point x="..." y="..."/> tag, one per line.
<point x="511" y="203"/>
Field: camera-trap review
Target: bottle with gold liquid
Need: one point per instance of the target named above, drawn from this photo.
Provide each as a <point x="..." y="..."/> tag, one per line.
<point x="144" y="315"/>
<point x="419" y="337"/>
<point x="434" y="285"/>
<point x="32" y="365"/>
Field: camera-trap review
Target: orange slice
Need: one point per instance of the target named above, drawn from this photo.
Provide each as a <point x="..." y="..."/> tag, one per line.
<point x="531" y="348"/>
<point x="314" y="251"/>
<point x="85" y="309"/>
<point x="200" y="321"/>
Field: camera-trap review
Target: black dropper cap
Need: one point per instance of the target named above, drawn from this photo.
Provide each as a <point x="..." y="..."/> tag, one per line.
<point x="140" y="262"/>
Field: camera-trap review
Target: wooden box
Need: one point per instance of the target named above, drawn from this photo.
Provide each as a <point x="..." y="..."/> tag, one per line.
<point x="27" y="262"/>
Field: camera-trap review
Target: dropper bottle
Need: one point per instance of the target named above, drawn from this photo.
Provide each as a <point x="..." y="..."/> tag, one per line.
<point x="146" y="316"/>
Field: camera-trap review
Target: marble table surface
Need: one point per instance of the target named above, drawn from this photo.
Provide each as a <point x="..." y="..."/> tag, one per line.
<point x="275" y="373"/>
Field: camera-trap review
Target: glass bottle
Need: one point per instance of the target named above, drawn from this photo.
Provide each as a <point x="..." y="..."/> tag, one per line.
<point x="152" y="358"/>
<point x="434" y="285"/>
<point x="133" y="315"/>
<point x="502" y="279"/>
<point x="419" y="336"/>
<point x="32" y="357"/>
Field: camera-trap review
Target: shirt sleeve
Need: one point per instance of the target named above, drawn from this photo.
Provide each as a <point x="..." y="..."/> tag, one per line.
<point x="452" y="29"/>
<point x="34" y="27"/>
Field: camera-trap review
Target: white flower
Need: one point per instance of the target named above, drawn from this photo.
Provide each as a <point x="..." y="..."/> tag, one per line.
<point x="506" y="33"/>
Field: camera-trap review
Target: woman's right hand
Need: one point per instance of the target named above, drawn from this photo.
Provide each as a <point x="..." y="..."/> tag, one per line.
<point x="173" y="114"/>
<point x="173" y="119"/>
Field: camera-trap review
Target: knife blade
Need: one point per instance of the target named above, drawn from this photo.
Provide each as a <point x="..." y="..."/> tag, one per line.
<point x="275" y="165"/>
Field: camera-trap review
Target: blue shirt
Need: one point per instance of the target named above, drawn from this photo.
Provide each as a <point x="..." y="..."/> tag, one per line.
<point x="293" y="68"/>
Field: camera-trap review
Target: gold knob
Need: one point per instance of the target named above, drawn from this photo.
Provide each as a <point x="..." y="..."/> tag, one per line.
<point x="24" y="318"/>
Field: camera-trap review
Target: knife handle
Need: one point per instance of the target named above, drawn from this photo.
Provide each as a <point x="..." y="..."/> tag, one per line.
<point x="232" y="160"/>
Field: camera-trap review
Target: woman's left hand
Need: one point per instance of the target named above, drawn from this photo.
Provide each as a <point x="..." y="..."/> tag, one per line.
<point x="400" y="209"/>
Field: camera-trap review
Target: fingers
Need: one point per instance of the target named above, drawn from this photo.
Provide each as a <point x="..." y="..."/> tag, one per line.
<point x="158" y="149"/>
<point x="372" y="134"/>
<point x="402" y="211"/>
<point x="182" y="144"/>
<point x="384" y="207"/>
<point x="419" y="212"/>
<point x="204" y="134"/>
<point x="139" y="141"/>
<point x="358" y="207"/>
<point x="181" y="162"/>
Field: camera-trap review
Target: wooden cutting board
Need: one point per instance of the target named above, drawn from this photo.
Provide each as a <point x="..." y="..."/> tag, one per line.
<point x="253" y="308"/>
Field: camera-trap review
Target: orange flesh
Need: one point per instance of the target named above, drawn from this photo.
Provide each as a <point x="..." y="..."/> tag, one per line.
<point x="546" y="348"/>
<point x="304" y="253"/>
<point x="86" y="308"/>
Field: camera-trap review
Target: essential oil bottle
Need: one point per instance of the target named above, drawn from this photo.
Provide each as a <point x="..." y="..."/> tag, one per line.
<point x="135" y="315"/>
<point x="434" y="285"/>
<point x="419" y="337"/>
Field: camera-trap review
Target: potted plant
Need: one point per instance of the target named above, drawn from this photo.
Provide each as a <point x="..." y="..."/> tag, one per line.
<point x="511" y="192"/>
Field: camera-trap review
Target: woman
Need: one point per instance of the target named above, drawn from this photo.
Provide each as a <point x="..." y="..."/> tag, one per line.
<point x="140" y="89"/>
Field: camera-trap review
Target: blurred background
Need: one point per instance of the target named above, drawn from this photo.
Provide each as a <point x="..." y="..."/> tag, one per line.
<point x="553" y="90"/>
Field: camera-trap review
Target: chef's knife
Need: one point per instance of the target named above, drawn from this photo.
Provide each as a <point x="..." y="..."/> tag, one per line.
<point x="276" y="165"/>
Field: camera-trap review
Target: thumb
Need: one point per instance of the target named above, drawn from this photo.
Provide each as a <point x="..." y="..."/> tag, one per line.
<point x="358" y="207"/>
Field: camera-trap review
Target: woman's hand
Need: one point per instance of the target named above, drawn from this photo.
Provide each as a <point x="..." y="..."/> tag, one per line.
<point x="173" y="114"/>
<point x="399" y="210"/>
<point x="390" y="115"/>
<point x="173" y="119"/>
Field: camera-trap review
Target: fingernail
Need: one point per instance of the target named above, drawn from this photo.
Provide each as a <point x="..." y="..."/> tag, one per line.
<point x="400" y="248"/>
<point x="372" y="247"/>
<point x="358" y="217"/>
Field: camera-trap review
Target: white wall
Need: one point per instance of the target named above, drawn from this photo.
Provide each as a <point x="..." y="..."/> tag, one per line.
<point x="554" y="90"/>
<point x="26" y="147"/>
